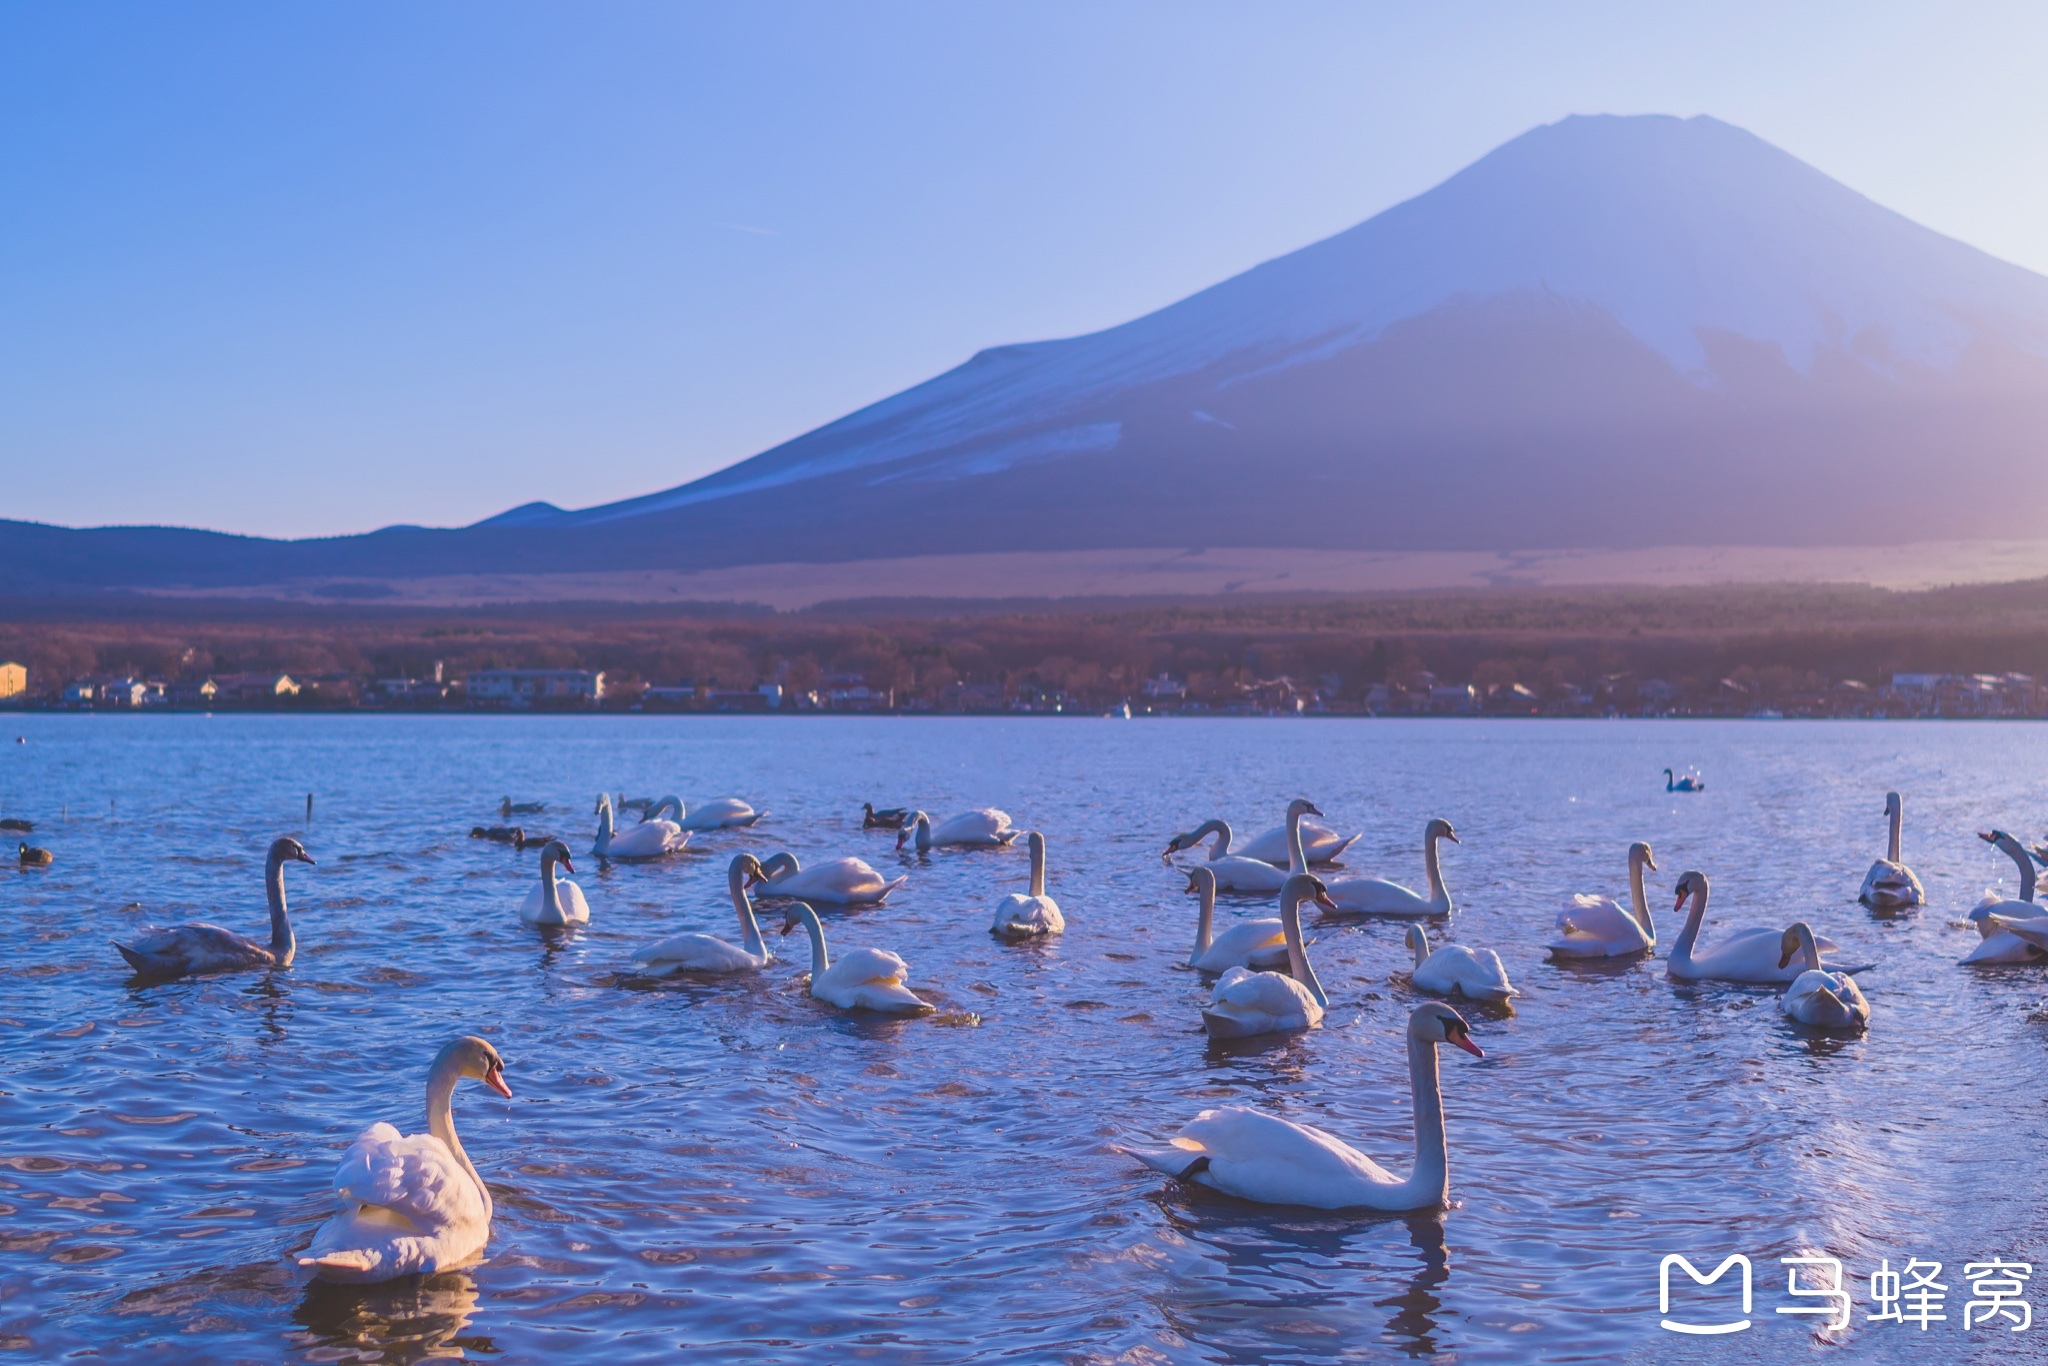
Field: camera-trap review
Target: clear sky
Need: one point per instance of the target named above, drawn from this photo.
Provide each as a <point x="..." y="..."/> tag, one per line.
<point x="320" y="267"/>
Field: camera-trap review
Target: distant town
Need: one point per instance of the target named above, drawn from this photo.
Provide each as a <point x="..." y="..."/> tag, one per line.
<point x="1418" y="693"/>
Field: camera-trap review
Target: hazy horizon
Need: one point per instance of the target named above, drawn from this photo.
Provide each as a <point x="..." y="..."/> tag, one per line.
<point x="420" y="267"/>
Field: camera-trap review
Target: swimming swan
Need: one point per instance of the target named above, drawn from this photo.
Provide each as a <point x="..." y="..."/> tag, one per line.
<point x="1750" y="955"/>
<point x="1998" y="946"/>
<point x="1890" y="884"/>
<point x="1236" y="873"/>
<point x="1247" y="1003"/>
<point x="557" y="901"/>
<point x="1817" y="996"/>
<point x="1598" y="926"/>
<point x="209" y="948"/>
<point x="1319" y="843"/>
<point x="651" y="839"/>
<point x="1377" y="896"/>
<point x="1255" y="944"/>
<point x="1256" y="1156"/>
<point x="720" y="813"/>
<point x="1036" y="915"/>
<point x="982" y="828"/>
<point x="866" y="979"/>
<point x="411" y="1204"/>
<point x="1689" y="783"/>
<point x="708" y="953"/>
<point x="1454" y="970"/>
<point x="840" y="881"/>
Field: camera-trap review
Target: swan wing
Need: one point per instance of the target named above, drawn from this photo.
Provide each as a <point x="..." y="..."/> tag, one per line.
<point x="413" y="1176"/>
<point x="868" y="965"/>
<point x="1319" y="844"/>
<point x="2001" y="947"/>
<point x="1257" y="1156"/>
<point x="575" y="910"/>
<point x="1236" y="874"/>
<point x="1377" y="896"/>
<point x="1020" y="916"/>
<point x="649" y="839"/>
<point x="194" y="948"/>
<point x="1248" y="943"/>
<point x="2030" y="929"/>
<point x="1269" y="993"/>
<point x="840" y="881"/>
<point x="698" y="953"/>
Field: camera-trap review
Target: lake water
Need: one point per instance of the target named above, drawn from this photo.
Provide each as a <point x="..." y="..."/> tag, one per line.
<point x="728" y="1171"/>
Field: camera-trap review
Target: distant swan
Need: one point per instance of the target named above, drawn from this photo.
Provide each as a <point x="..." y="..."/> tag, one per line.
<point x="1454" y="970"/>
<point x="1890" y="884"/>
<point x="839" y="881"/>
<point x="1256" y="944"/>
<point x="1032" y="916"/>
<point x="1598" y="926"/>
<point x="1688" y="783"/>
<point x="1246" y="1003"/>
<point x="648" y="840"/>
<point x="1817" y="996"/>
<point x="865" y="979"/>
<point x="1748" y="955"/>
<point x="411" y="1204"/>
<point x="982" y="828"/>
<point x="1236" y="873"/>
<point x="508" y="808"/>
<point x="556" y="901"/>
<point x="209" y="948"/>
<point x="1376" y="896"/>
<point x="721" y="813"/>
<point x="1256" y="1156"/>
<point x="708" y="953"/>
<point x="1997" y="945"/>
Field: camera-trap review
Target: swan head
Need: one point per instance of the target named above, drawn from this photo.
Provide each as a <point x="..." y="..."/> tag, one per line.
<point x="1202" y="879"/>
<point x="554" y="851"/>
<point x="748" y="867"/>
<point x="1891" y="803"/>
<point x="1440" y="829"/>
<point x="909" y="827"/>
<point x="476" y="1059"/>
<point x="1302" y="806"/>
<point x="604" y="804"/>
<point x="1639" y="852"/>
<point x="1306" y="887"/>
<point x="285" y="849"/>
<point x="1788" y="944"/>
<point x="1435" y="1022"/>
<point x="1418" y="942"/>
<point x="794" y="915"/>
<point x="1690" y="885"/>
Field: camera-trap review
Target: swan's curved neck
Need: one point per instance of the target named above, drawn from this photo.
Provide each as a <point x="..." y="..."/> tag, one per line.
<point x="1418" y="944"/>
<point x="743" y="906"/>
<point x="1297" y="952"/>
<point x="1432" y="1175"/>
<point x="1892" y="852"/>
<point x="1221" y="830"/>
<point x="1297" y="860"/>
<point x="1037" y="865"/>
<point x="1434" y="868"/>
<point x="780" y="865"/>
<point x="1670" y="783"/>
<point x="1206" y="926"/>
<point x="2019" y="856"/>
<point x="924" y="833"/>
<point x="661" y="809"/>
<point x="282" y="945"/>
<point x="820" y="960"/>
<point x="1639" y="900"/>
<point x="441" y="1118"/>
<point x="604" y="826"/>
<point x="1809" y="952"/>
<point x="1681" y="952"/>
<point x="550" y="890"/>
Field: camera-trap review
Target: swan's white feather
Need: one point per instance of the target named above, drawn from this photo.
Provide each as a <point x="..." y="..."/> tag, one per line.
<point x="1255" y="944"/>
<point x="1455" y="970"/>
<point x="408" y="1206"/>
<point x="699" y="953"/>
<point x="840" y="881"/>
<point x="1245" y="1003"/>
<point x="1027" y="917"/>
<point x="575" y="910"/>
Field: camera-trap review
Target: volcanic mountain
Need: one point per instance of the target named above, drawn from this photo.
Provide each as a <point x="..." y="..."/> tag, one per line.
<point x="1609" y="332"/>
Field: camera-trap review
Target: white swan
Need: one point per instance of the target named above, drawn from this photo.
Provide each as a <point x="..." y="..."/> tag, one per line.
<point x="209" y="948"/>
<point x="1236" y="873"/>
<point x="556" y="901"/>
<point x="720" y="813"/>
<point x="1998" y="946"/>
<point x="1890" y="884"/>
<point x="1817" y="996"/>
<point x="1454" y="970"/>
<point x="708" y="953"/>
<point x="1034" y="916"/>
<point x="1749" y="955"/>
<point x="1256" y="1156"/>
<point x="1319" y="843"/>
<point x="2031" y="930"/>
<point x="866" y="979"/>
<point x="839" y="881"/>
<point x="1255" y="944"/>
<point x="650" y="839"/>
<point x="1377" y="896"/>
<point x="411" y="1203"/>
<point x="982" y="828"/>
<point x="1688" y="783"/>
<point x="1247" y="1003"/>
<point x="1598" y="926"/>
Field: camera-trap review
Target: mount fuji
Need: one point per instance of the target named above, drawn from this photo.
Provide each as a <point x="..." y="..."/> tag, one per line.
<point x="1608" y="332"/>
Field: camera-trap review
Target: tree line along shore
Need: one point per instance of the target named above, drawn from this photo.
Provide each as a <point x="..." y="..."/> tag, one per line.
<point x="1791" y="650"/>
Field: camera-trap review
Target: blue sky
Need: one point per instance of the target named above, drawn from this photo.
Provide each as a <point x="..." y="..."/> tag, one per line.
<point x="315" y="268"/>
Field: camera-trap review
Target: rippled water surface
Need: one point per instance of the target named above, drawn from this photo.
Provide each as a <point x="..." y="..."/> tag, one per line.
<point x="729" y="1171"/>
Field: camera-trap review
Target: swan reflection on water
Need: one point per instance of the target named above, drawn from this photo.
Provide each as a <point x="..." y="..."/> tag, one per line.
<point x="1247" y="1295"/>
<point x="415" y="1318"/>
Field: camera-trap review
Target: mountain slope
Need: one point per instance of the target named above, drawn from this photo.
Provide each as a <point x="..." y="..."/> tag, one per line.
<point x="1607" y="332"/>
